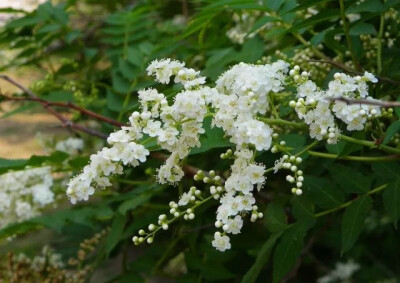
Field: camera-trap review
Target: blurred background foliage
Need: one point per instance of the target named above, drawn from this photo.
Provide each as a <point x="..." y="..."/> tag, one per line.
<point x="94" y="54"/>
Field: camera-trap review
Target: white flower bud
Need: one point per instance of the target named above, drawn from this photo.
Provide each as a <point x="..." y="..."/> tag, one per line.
<point x="293" y="168"/>
<point x="176" y="214"/>
<point x="152" y="227"/>
<point x="299" y="159"/>
<point x="150" y="240"/>
<point x="165" y="226"/>
<point x="142" y="232"/>
<point x="191" y="216"/>
<point x="225" y="227"/>
<point x="299" y="184"/>
<point x="300" y="178"/>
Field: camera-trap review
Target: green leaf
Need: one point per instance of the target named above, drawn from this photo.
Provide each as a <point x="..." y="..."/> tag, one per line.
<point x="323" y="192"/>
<point x="289" y="248"/>
<point x="213" y="138"/>
<point x="391" y="200"/>
<point x="349" y="179"/>
<point x="261" y="260"/>
<point x="116" y="232"/>
<point x="274" y="4"/>
<point x="261" y="22"/>
<point x="366" y="6"/>
<point x="275" y="217"/>
<point x="353" y="221"/>
<point x="397" y="109"/>
<point x="302" y="207"/>
<point x="133" y="203"/>
<point x="362" y="28"/>
<point x="307" y="4"/>
<point x="386" y="170"/>
<point x="352" y="147"/>
<point x="49" y="28"/>
<point x="391" y="131"/>
<point x="320" y="17"/>
<point x="120" y="84"/>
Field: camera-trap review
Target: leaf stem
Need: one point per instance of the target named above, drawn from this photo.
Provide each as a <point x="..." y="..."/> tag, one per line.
<point x="344" y="205"/>
<point x="356" y="158"/>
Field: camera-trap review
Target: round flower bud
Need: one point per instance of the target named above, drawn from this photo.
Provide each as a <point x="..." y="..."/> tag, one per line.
<point x="296" y="68"/>
<point x="141" y="232"/>
<point x="260" y="215"/>
<point x="218" y="224"/>
<point x="255" y="207"/>
<point x="176" y="214"/>
<point x="299" y="172"/>
<point x="189" y="210"/>
<point x="332" y="135"/>
<point x="282" y="143"/>
<point x="293" y="168"/>
<point x="225" y="227"/>
<point x="299" y="192"/>
<point x="192" y="198"/>
<point x="300" y="178"/>
<point x="152" y="227"/>
<point x="323" y="132"/>
<point x="165" y="226"/>
<point x="299" y="160"/>
<point x="213" y="190"/>
<point x="191" y="216"/>
<point x="299" y="184"/>
<point x="150" y="240"/>
<point x="292" y="103"/>
<point x="135" y="239"/>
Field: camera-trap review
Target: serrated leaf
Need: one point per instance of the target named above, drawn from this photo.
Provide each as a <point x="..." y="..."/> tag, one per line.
<point x="261" y="260"/>
<point x="116" y="232"/>
<point x="275" y="218"/>
<point x="349" y="179"/>
<point x="302" y="207"/>
<point x="323" y="192"/>
<point x="289" y="248"/>
<point x="391" y="131"/>
<point x="386" y="170"/>
<point x="353" y="221"/>
<point x="391" y="200"/>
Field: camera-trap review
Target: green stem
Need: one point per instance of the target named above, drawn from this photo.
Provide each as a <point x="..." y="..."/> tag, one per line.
<point x="283" y="123"/>
<point x="329" y="211"/>
<point x="310" y="146"/>
<point x="347" y="34"/>
<point x="370" y="144"/>
<point x="132" y="182"/>
<point x="355" y="158"/>
<point x="379" y="47"/>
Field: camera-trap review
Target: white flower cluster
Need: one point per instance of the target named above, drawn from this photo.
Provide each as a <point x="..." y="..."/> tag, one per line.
<point x="108" y="162"/>
<point x="238" y="198"/>
<point x="23" y="194"/>
<point x="319" y="108"/>
<point x="71" y="145"/>
<point x="242" y="93"/>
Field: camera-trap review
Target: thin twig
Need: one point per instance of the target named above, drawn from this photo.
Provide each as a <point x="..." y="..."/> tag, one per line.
<point x="67" y="105"/>
<point x="65" y="121"/>
<point x="351" y="71"/>
<point x="386" y="104"/>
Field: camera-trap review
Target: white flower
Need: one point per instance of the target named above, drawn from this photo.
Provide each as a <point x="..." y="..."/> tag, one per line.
<point x="220" y="242"/>
<point x="234" y="225"/>
<point x="370" y="77"/>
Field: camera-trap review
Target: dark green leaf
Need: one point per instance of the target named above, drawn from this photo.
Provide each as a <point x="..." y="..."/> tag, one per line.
<point x="362" y="28"/>
<point x="116" y="232"/>
<point x="366" y="6"/>
<point x="391" y="200"/>
<point x="353" y="221"/>
<point x="275" y="217"/>
<point x="386" y="170"/>
<point x="261" y="260"/>
<point x="349" y="179"/>
<point x="289" y="248"/>
<point x="303" y="207"/>
<point x="323" y="192"/>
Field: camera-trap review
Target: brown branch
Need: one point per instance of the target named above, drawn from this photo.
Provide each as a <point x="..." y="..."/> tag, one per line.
<point x="386" y="104"/>
<point x="351" y="71"/>
<point x="65" y="121"/>
<point x="67" y="105"/>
